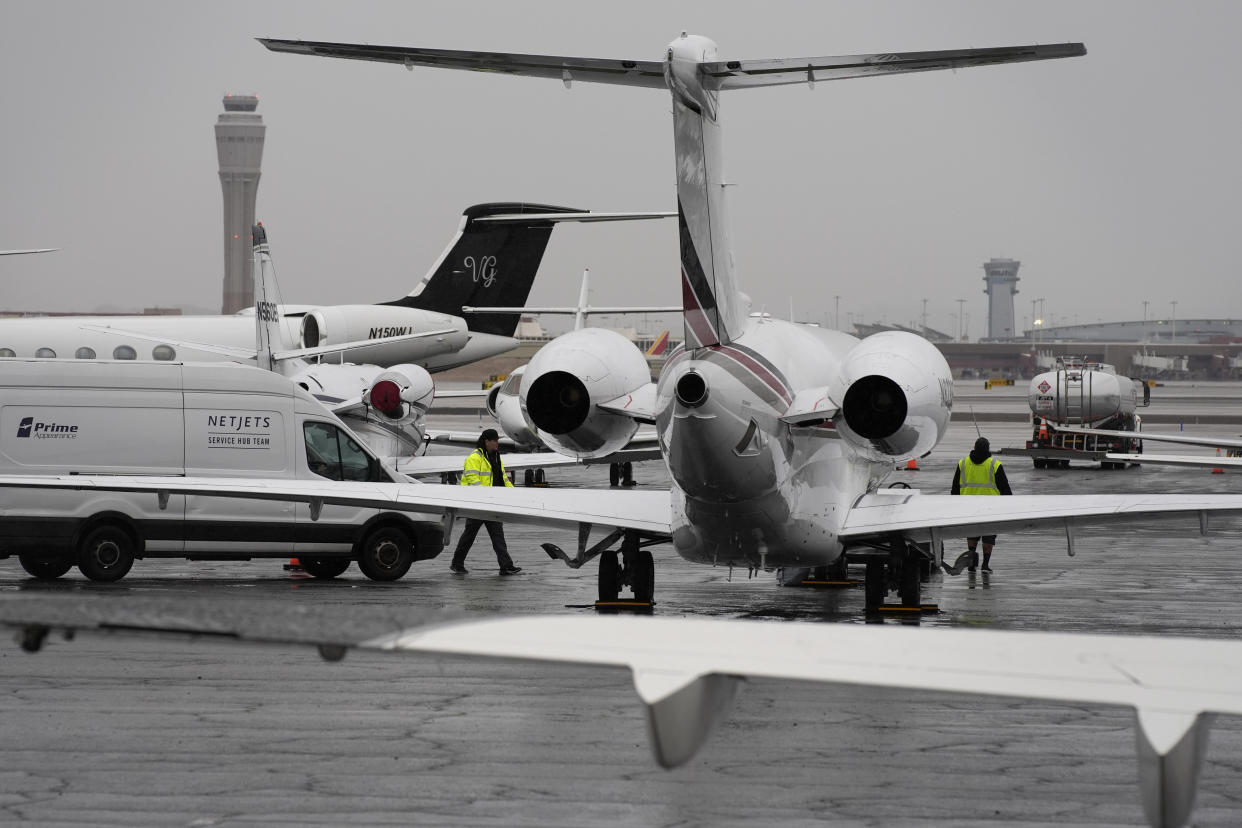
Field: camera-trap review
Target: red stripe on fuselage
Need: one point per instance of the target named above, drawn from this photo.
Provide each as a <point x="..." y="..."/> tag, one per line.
<point x="757" y="368"/>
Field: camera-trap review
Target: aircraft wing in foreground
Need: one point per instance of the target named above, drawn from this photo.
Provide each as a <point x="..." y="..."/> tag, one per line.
<point x="687" y="671"/>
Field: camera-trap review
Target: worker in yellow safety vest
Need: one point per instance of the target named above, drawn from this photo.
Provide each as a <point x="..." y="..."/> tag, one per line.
<point x="483" y="467"/>
<point x="978" y="473"/>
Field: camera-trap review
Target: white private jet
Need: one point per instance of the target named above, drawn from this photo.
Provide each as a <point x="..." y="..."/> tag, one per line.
<point x="777" y="438"/>
<point x="503" y="401"/>
<point x="492" y="259"/>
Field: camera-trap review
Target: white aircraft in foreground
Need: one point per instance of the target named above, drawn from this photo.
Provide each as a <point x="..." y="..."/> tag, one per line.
<point x="687" y="671"/>
<point x="777" y="438"/>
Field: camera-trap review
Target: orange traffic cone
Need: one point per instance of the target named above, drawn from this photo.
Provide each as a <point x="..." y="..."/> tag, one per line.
<point x="912" y="465"/>
<point x="1043" y="430"/>
<point x="294" y="565"/>
<point x="1218" y="471"/>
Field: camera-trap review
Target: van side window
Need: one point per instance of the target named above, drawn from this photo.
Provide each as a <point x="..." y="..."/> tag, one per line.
<point x="333" y="454"/>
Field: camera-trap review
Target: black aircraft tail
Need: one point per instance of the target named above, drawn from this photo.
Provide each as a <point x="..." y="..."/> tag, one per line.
<point x="491" y="262"/>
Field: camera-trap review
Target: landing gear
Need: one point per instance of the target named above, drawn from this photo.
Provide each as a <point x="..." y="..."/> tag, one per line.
<point x="903" y="568"/>
<point x="630" y="566"/>
<point x="534" y="478"/>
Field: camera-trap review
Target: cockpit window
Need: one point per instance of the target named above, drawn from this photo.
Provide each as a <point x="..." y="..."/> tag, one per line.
<point x="512" y="386"/>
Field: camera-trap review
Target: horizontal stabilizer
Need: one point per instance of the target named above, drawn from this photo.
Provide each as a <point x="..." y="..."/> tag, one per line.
<point x="648" y="73"/>
<point x="582" y="217"/>
<point x="741" y="74"/>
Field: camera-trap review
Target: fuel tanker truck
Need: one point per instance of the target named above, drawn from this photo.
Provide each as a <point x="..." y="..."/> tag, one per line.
<point x="1084" y="396"/>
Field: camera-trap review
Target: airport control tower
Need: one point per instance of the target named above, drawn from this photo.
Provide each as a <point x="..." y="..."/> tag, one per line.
<point x="239" y="146"/>
<point x="1002" y="278"/>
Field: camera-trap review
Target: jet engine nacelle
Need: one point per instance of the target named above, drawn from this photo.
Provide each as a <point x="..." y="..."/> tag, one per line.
<point x="568" y="379"/>
<point x="401" y="394"/>
<point x="896" y="394"/>
<point x="1085" y="395"/>
<point x="338" y="324"/>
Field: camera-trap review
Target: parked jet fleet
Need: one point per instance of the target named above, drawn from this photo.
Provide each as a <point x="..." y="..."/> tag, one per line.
<point x="777" y="438"/>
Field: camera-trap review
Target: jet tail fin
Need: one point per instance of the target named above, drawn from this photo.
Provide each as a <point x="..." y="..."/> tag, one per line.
<point x="493" y="259"/>
<point x="269" y="333"/>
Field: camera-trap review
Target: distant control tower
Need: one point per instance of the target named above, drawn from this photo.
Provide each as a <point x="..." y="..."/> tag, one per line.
<point x="239" y="146"/>
<point x="1002" y="278"/>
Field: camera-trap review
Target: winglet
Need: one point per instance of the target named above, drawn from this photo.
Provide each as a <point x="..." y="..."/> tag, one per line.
<point x="1171" y="746"/>
<point x="682" y="710"/>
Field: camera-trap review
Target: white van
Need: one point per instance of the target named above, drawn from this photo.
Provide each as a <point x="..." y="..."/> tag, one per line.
<point x="65" y="417"/>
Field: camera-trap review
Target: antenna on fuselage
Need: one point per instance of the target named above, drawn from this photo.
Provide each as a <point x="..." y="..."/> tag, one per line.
<point x="971" y="409"/>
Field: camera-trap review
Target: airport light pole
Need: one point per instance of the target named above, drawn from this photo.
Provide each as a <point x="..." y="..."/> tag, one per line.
<point x="1173" y="335"/>
<point x="960" y="304"/>
<point x="924" y="317"/>
<point x="836" y="314"/>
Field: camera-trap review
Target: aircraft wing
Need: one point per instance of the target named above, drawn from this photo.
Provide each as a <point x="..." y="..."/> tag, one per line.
<point x="325" y="350"/>
<point x="1155" y="436"/>
<point x="932" y="517"/>
<point x="429" y="464"/>
<point x="644" y="511"/>
<point x="1189" y="460"/>
<point x="741" y="74"/>
<point x="648" y="73"/>
<point x="687" y="671"/>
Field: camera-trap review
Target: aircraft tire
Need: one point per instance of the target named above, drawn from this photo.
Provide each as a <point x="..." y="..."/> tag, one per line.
<point x="325" y="567"/>
<point x="386" y="554"/>
<point x="642" y="579"/>
<point x="106" y="554"/>
<point x="911" y="582"/>
<point x="876" y="586"/>
<point x="614" y="474"/>
<point x="609" y="576"/>
<point x="44" y="570"/>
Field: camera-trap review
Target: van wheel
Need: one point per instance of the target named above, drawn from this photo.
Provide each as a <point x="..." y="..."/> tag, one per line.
<point x="386" y="554"/>
<point x="106" y="554"/>
<point x="46" y="570"/>
<point x="325" y="567"/>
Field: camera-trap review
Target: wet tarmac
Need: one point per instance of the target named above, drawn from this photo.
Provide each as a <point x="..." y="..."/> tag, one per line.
<point x="135" y="731"/>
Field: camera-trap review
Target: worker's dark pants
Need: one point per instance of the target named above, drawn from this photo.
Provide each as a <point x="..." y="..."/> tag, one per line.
<point x="495" y="530"/>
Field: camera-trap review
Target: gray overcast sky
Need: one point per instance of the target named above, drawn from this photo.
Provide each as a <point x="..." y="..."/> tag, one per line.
<point x="1114" y="177"/>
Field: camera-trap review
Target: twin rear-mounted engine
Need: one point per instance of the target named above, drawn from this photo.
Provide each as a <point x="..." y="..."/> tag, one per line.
<point x="896" y="395"/>
<point x="401" y="394"/>
<point x="567" y="381"/>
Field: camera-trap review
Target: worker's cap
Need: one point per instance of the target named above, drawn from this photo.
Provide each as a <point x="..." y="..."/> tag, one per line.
<point x="982" y="444"/>
<point x="489" y="434"/>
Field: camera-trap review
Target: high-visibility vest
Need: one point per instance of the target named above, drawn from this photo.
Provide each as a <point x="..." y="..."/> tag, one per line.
<point x="478" y="471"/>
<point x="977" y="478"/>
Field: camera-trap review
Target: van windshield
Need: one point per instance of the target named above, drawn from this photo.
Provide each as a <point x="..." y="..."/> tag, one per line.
<point x="333" y="454"/>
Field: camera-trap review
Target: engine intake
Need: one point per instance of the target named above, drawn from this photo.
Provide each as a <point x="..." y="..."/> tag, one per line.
<point x="567" y="380"/>
<point x="896" y="393"/>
